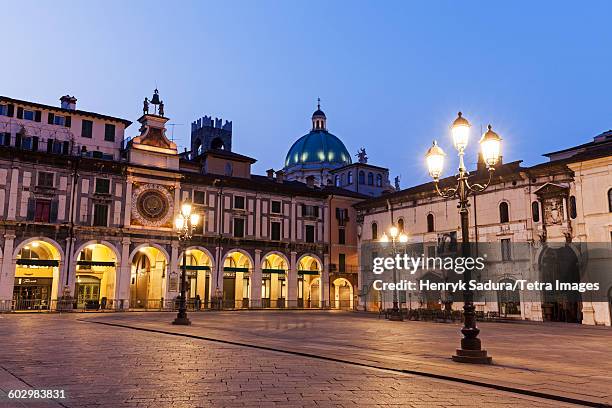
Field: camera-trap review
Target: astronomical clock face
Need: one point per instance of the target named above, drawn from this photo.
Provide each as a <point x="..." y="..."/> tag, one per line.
<point x="152" y="206"/>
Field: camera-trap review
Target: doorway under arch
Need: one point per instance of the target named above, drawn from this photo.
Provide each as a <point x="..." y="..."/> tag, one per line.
<point x="237" y="268"/>
<point x="560" y="264"/>
<point x="343" y="294"/>
<point x="147" y="283"/>
<point x="36" y="275"/>
<point x="274" y="280"/>
<point x="199" y="265"/>
<point x="310" y="290"/>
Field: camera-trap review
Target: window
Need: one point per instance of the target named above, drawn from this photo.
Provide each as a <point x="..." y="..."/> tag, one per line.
<point x="506" y="249"/>
<point x="573" y="213"/>
<point x="59" y="120"/>
<point x="45" y="179"/>
<point x="42" y="212"/>
<point x="535" y="211"/>
<point x="370" y="179"/>
<point x="310" y="233"/>
<point x="102" y="186"/>
<point x="109" y="132"/>
<point x="341" y="236"/>
<point x="100" y="218"/>
<point x="310" y="211"/>
<point x="239" y="202"/>
<point x="379" y="180"/>
<point x="374" y="231"/>
<point x="337" y="180"/>
<point x="430" y="223"/>
<point x="503" y="212"/>
<point x="342" y="216"/>
<point x="400" y="225"/>
<point x="431" y="251"/>
<point x="349" y="177"/>
<point x="276" y="207"/>
<point x="3" y="110"/>
<point x="275" y="231"/>
<point x="238" y="227"/>
<point x="199" y="197"/>
<point x="28" y="114"/>
<point x="87" y="128"/>
<point x="361" y="177"/>
<point x="229" y="169"/>
<point x="341" y="262"/>
<point x="610" y="200"/>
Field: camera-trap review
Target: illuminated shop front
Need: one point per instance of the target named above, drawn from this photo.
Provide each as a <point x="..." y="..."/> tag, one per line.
<point x="36" y="276"/>
<point x="95" y="277"/>
<point x="198" y="277"/>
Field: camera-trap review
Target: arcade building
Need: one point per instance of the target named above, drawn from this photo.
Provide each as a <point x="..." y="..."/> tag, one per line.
<point x="86" y="214"/>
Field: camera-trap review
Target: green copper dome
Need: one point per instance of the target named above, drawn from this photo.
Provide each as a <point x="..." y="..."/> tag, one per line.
<point x="318" y="146"/>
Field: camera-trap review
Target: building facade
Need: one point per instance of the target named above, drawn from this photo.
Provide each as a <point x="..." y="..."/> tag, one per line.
<point x="546" y="214"/>
<point x="87" y="218"/>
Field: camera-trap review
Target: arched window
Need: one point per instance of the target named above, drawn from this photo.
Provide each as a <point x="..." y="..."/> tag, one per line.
<point x="379" y="180"/>
<point x="337" y="180"/>
<point x="610" y="200"/>
<point x="374" y="231"/>
<point x="362" y="179"/>
<point x="504" y="215"/>
<point x="535" y="211"/>
<point x="430" y="223"/>
<point x="350" y="177"/>
<point x="341" y="180"/>
<point x="400" y="225"/>
<point x="370" y="179"/>
<point x="573" y="213"/>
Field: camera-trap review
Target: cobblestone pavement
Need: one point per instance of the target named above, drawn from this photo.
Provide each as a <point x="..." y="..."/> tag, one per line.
<point x="573" y="361"/>
<point x="105" y="366"/>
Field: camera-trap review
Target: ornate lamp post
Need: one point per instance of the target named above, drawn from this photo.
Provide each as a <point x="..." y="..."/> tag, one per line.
<point x="490" y="144"/>
<point x="185" y="224"/>
<point x="396" y="236"/>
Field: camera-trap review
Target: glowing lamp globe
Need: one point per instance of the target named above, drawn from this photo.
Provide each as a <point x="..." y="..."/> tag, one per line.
<point x="490" y="145"/>
<point x="435" y="160"/>
<point x="461" y="132"/>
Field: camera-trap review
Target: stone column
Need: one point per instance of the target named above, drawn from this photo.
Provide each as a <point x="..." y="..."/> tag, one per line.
<point x="292" y="278"/>
<point x="217" y="274"/>
<point x="256" y="280"/>
<point x="7" y="271"/>
<point x="175" y="271"/>
<point x="124" y="276"/>
<point x="67" y="273"/>
<point x="127" y="219"/>
<point x="325" y="282"/>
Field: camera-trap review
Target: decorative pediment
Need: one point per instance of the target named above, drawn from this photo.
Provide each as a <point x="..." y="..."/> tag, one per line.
<point x="552" y="190"/>
<point x="153" y="135"/>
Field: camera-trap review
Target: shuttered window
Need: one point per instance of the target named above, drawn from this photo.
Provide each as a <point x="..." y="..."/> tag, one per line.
<point x="109" y="132"/>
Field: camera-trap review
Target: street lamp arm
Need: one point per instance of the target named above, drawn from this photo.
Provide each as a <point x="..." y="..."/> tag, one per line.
<point x="448" y="192"/>
<point x="477" y="188"/>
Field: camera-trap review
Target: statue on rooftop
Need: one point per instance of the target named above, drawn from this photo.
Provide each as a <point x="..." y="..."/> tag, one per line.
<point x="362" y="156"/>
<point x="145" y="106"/>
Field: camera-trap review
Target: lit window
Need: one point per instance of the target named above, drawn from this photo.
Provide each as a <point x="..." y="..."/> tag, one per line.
<point x="350" y="177"/>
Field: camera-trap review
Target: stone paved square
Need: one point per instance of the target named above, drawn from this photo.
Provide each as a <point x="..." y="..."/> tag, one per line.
<point x="230" y="360"/>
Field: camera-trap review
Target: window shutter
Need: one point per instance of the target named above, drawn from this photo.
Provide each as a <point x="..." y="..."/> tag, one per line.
<point x="53" y="212"/>
<point x="50" y="118"/>
<point x="19" y="112"/>
<point x="35" y="143"/>
<point x="7" y="139"/>
<point x="316" y="211"/>
<point x="31" y="209"/>
<point x="65" y="147"/>
<point x="37" y="116"/>
<point x="11" y="110"/>
<point x="68" y="121"/>
<point x="18" y="140"/>
<point x="50" y="146"/>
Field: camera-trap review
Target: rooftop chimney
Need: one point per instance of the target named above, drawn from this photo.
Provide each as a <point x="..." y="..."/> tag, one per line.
<point x="270" y="173"/>
<point x="310" y="181"/>
<point x="68" y="102"/>
<point x="280" y="175"/>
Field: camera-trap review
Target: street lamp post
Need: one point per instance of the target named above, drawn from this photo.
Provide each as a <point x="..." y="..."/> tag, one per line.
<point x="396" y="236"/>
<point x="184" y="223"/>
<point x="490" y="143"/>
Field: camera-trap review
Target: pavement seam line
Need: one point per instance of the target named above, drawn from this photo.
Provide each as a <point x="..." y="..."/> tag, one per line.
<point x="498" y="387"/>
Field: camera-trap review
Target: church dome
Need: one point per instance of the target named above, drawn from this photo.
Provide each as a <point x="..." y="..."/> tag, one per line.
<point x="318" y="146"/>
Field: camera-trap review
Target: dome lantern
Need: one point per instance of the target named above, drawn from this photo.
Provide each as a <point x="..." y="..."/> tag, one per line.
<point x="318" y="118"/>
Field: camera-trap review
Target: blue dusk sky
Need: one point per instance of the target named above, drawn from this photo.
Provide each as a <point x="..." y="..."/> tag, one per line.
<point x="391" y="74"/>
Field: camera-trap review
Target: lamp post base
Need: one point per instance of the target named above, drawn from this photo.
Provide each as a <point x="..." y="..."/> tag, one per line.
<point x="181" y="321"/>
<point x="472" y="357"/>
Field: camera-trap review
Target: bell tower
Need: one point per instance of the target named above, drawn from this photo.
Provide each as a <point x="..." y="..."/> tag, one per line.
<point x="319" y="120"/>
<point x="208" y="134"/>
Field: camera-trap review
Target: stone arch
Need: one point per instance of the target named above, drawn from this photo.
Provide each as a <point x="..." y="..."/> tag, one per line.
<point x="101" y="242"/>
<point x="145" y="245"/>
<point x="95" y="286"/>
<point x="149" y="286"/>
<point x="316" y="257"/>
<point x="49" y="241"/>
<point x="280" y="254"/>
<point x="342" y="294"/>
<point x="241" y="251"/>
